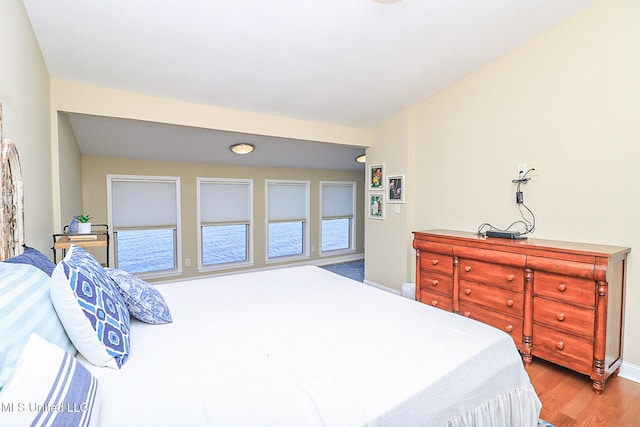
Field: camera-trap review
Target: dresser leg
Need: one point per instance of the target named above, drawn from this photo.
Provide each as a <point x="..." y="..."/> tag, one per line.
<point x="526" y="354"/>
<point x="598" y="386"/>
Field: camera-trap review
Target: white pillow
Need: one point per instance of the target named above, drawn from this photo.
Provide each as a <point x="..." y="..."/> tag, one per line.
<point x="49" y="387"/>
<point x="91" y="309"/>
<point x="25" y="307"/>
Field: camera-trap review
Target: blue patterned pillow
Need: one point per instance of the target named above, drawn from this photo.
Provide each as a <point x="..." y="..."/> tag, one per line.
<point x="91" y="309"/>
<point x="25" y="307"/>
<point x="144" y="302"/>
<point x="49" y="387"/>
<point x="33" y="257"/>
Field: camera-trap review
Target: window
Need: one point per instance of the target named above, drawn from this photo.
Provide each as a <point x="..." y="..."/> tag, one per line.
<point x="144" y="214"/>
<point x="287" y="219"/>
<point x="225" y="212"/>
<point x="338" y="223"/>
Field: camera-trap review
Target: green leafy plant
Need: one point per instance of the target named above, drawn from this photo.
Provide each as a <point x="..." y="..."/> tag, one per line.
<point x="83" y="218"/>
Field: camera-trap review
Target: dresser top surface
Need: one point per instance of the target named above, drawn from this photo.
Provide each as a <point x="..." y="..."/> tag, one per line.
<point x="496" y="242"/>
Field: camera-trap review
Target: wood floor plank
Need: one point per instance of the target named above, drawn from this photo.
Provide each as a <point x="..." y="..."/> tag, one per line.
<point x="568" y="399"/>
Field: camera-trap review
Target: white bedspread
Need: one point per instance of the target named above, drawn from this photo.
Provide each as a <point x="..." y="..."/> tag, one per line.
<point x="302" y="346"/>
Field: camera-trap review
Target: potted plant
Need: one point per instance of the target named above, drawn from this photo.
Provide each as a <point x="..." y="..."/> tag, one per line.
<point x="84" y="223"/>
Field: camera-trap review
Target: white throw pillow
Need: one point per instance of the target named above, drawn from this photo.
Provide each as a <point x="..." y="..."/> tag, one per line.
<point x="49" y="387"/>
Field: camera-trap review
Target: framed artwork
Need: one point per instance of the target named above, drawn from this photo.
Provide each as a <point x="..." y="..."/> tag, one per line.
<point x="376" y="177"/>
<point x="376" y="205"/>
<point x="395" y="189"/>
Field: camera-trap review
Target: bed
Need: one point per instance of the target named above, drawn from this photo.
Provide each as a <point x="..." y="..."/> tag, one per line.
<point x="302" y="346"/>
<point x="296" y="346"/>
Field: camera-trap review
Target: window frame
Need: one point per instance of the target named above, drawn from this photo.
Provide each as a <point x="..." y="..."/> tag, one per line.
<point x="353" y="218"/>
<point x="177" y="270"/>
<point x="305" y="221"/>
<point x="250" y="240"/>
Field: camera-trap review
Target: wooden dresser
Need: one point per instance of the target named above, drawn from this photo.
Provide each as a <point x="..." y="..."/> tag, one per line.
<point x="560" y="301"/>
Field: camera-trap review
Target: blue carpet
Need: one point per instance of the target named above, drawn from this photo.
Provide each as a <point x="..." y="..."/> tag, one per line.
<point x="352" y="269"/>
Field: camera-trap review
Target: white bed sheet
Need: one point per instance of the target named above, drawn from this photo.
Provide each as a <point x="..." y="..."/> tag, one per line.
<point x="302" y="346"/>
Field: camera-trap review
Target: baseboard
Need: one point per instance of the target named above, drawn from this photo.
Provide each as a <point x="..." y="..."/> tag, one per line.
<point x="630" y="372"/>
<point x="382" y="287"/>
<point x="337" y="259"/>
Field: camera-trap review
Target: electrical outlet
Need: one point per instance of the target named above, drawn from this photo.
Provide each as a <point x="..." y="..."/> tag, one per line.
<point x="187" y="262"/>
<point x="522" y="169"/>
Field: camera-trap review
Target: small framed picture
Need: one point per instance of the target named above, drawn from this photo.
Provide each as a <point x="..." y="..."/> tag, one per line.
<point x="376" y="205"/>
<point x="395" y="189"/>
<point x="376" y="177"/>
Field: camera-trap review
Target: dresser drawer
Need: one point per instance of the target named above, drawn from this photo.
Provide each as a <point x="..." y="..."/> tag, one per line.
<point x="509" y="324"/>
<point x="436" y="282"/>
<point x="499" y="299"/>
<point x="436" y="300"/>
<point x="567" y="317"/>
<point x="495" y="274"/>
<point x="563" y="349"/>
<point x="436" y="262"/>
<point x="581" y="291"/>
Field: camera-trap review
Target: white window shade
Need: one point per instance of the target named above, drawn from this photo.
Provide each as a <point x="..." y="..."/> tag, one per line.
<point x="224" y="202"/>
<point x="287" y="201"/>
<point x="337" y="200"/>
<point x="143" y="203"/>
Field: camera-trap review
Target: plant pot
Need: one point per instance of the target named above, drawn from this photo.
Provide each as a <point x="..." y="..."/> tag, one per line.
<point x="84" y="227"/>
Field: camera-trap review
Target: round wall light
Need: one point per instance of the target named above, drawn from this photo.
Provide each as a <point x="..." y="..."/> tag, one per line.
<point x="242" y="148"/>
<point x="362" y="158"/>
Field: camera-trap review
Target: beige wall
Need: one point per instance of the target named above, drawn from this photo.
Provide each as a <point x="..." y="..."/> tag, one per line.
<point x="80" y="98"/>
<point x="387" y="241"/>
<point x="24" y="91"/>
<point x="94" y="189"/>
<point x="568" y="101"/>
<point x="70" y="172"/>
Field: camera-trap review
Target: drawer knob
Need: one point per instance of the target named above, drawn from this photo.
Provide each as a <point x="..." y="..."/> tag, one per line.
<point x="560" y="316"/>
<point x="467" y="291"/>
<point x="509" y="328"/>
<point x="562" y="287"/>
<point x="467" y="268"/>
<point x="509" y="303"/>
<point x="434" y="303"/>
<point x="434" y="282"/>
<point x="560" y="345"/>
<point x="510" y="278"/>
<point x="434" y="262"/>
<point x="467" y="314"/>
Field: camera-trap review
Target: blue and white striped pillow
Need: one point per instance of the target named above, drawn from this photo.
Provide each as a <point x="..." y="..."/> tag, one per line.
<point x="25" y="307"/>
<point x="49" y="388"/>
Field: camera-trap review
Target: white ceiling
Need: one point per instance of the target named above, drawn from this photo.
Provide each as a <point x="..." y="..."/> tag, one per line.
<point x="348" y="62"/>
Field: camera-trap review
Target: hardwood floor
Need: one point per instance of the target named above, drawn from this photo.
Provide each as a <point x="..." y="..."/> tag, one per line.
<point x="568" y="398"/>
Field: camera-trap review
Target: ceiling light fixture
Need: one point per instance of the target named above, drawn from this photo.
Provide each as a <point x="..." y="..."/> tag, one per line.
<point x="242" y="148"/>
<point x="362" y="158"/>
